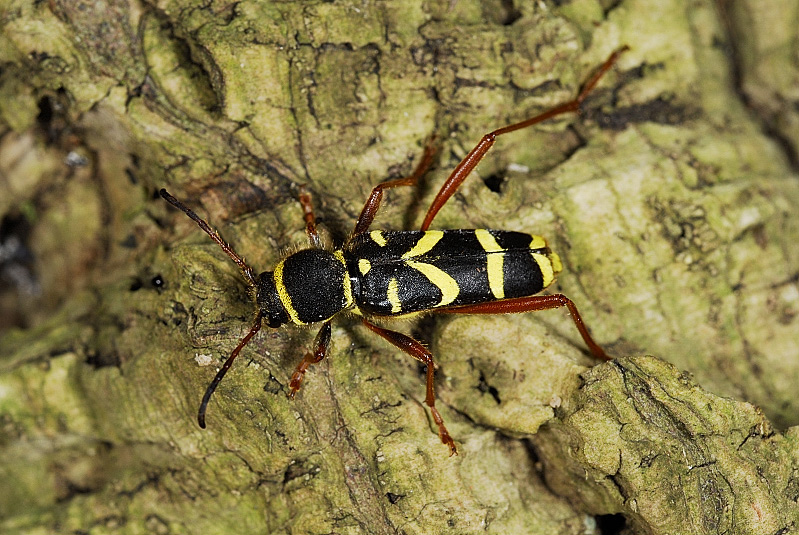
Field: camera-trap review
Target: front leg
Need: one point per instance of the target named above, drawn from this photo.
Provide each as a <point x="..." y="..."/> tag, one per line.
<point x="320" y="345"/>
<point x="310" y="218"/>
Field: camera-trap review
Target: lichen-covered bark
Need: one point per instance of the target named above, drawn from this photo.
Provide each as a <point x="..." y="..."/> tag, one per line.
<point x="671" y="202"/>
<point x="638" y="419"/>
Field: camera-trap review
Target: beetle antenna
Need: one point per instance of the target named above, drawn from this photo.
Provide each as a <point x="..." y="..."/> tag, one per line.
<point x="249" y="274"/>
<point x="225" y="367"/>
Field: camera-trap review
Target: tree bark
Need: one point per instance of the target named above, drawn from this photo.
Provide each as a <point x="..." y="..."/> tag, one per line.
<point x="671" y="200"/>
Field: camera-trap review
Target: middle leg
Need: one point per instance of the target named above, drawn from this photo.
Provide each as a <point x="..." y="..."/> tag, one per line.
<point x="423" y="355"/>
<point x="369" y="210"/>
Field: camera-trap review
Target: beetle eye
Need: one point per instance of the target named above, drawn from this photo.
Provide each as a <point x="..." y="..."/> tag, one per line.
<point x="268" y="301"/>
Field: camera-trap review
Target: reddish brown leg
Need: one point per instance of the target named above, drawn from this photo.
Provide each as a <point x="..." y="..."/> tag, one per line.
<point x="476" y="154"/>
<point x="225" y="367"/>
<point x="373" y="203"/>
<point x="529" y="304"/>
<point x="249" y="274"/>
<point x="320" y="346"/>
<point x="420" y="353"/>
<point x="310" y="219"/>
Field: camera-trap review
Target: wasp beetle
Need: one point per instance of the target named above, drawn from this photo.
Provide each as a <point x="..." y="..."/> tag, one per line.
<point x="389" y="274"/>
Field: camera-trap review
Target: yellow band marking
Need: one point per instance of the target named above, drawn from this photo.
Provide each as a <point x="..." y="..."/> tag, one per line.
<point x="347" y="282"/>
<point x="537" y="242"/>
<point x="378" y="238"/>
<point x="283" y="294"/>
<point x="546" y="266"/>
<point x="495" y="260"/>
<point x="557" y="266"/>
<point x="449" y="288"/>
<point x="393" y="296"/>
<point x="364" y="266"/>
<point x="428" y="240"/>
<point x="496" y="279"/>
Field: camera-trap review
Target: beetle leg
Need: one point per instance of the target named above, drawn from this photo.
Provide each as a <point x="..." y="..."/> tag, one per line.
<point x="310" y="219"/>
<point x="420" y="353"/>
<point x="373" y="203"/>
<point x="476" y="154"/>
<point x="530" y="304"/>
<point x="320" y="346"/>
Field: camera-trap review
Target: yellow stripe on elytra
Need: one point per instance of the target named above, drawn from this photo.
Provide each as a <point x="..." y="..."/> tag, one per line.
<point x="364" y="266"/>
<point x="283" y="294"/>
<point x="546" y="266"/>
<point x="428" y="240"/>
<point x="347" y="282"/>
<point x="495" y="260"/>
<point x="537" y="242"/>
<point x="378" y="238"/>
<point x="557" y="265"/>
<point x="449" y="288"/>
<point x="393" y="296"/>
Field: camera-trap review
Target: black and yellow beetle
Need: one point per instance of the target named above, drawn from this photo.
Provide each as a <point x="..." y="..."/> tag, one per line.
<point x="390" y="274"/>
